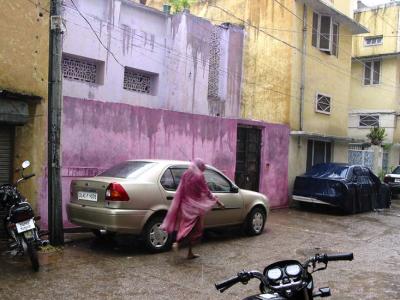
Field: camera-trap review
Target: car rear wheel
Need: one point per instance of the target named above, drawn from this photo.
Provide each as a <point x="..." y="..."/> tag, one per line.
<point x="156" y="240"/>
<point x="255" y="221"/>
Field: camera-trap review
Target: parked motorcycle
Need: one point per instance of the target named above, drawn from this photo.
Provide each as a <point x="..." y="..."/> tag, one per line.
<point x="287" y="279"/>
<point x="20" y="221"/>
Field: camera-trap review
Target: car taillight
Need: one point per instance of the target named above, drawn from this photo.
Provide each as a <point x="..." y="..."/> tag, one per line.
<point x="115" y="192"/>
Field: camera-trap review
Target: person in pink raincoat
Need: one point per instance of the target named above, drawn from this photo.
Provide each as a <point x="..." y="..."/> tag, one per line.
<point x="193" y="199"/>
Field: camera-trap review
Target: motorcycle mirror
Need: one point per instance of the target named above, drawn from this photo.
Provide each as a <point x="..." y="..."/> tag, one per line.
<point x="26" y="164"/>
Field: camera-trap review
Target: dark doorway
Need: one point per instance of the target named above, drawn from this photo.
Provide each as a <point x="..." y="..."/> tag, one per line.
<point x="318" y="152"/>
<point x="247" y="174"/>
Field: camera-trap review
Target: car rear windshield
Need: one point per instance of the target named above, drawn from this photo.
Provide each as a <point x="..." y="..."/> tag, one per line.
<point x="328" y="171"/>
<point x="127" y="169"/>
<point x="396" y="171"/>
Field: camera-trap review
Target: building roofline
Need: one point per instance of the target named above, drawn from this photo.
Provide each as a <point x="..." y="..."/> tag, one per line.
<point x="377" y="7"/>
<point x="323" y="8"/>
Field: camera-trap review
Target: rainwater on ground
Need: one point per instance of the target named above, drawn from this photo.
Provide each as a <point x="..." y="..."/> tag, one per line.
<point x="120" y="268"/>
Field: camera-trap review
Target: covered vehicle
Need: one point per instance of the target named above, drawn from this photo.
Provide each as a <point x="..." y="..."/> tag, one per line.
<point x="134" y="197"/>
<point x="351" y="188"/>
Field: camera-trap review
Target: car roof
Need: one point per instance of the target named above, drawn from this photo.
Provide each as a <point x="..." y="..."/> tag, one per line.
<point x="164" y="161"/>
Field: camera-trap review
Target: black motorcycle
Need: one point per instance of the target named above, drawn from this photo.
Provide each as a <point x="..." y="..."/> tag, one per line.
<point x="20" y="221"/>
<point x="287" y="279"/>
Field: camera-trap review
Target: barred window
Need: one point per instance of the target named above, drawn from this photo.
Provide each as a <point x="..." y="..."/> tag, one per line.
<point x="79" y="69"/>
<point x="369" y="121"/>
<point x="137" y="81"/>
<point x="323" y="104"/>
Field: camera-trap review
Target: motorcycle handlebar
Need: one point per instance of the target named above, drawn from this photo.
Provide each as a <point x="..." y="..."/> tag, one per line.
<point x="223" y="286"/>
<point x="29" y="176"/>
<point x="325" y="258"/>
<point x="343" y="256"/>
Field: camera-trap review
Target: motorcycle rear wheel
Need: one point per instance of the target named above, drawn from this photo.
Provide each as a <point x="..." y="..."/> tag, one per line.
<point x="33" y="256"/>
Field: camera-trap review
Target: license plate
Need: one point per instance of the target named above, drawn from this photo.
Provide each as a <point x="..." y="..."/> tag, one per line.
<point x="25" y="225"/>
<point x="397" y="180"/>
<point x="87" y="196"/>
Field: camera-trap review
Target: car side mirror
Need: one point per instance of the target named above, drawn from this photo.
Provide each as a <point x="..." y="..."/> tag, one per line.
<point x="234" y="189"/>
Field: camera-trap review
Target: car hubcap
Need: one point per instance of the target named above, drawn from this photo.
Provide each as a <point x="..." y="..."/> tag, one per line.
<point x="158" y="237"/>
<point x="258" y="220"/>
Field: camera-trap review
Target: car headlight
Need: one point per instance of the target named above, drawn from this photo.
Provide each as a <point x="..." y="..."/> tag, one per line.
<point x="293" y="270"/>
<point x="274" y="274"/>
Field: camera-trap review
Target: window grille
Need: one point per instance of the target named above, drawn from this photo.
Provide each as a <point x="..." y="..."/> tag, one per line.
<point x="373" y="41"/>
<point x="369" y="121"/>
<point x="78" y="69"/>
<point x="323" y="104"/>
<point x="214" y="62"/>
<point x="137" y="81"/>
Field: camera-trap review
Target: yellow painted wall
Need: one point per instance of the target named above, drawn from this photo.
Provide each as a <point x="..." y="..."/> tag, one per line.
<point x="344" y="6"/>
<point x="24" y="48"/>
<point x="267" y="86"/>
<point x="381" y="96"/>
<point x="384" y="96"/>
<point x="326" y="74"/>
<point x="383" y="21"/>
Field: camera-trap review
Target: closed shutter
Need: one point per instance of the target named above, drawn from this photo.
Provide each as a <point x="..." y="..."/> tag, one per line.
<point x="6" y="137"/>
<point x="6" y="146"/>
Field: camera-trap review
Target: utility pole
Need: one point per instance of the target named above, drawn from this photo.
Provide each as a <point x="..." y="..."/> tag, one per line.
<point x="56" y="232"/>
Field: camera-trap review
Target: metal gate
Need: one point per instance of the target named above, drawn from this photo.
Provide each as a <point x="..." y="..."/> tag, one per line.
<point x="360" y="156"/>
<point x="6" y="150"/>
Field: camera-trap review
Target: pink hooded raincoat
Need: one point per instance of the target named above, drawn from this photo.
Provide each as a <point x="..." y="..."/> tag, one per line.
<point x="192" y="201"/>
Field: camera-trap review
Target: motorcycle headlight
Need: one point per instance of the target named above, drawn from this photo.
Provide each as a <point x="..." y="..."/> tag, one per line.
<point x="274" y="274"/>
<point x="293" y="270"/>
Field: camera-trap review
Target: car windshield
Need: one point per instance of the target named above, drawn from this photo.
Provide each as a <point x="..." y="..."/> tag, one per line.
<point x="328" y="171"/>
<point x="127" y="169"/>
<point x="396" y="171"/>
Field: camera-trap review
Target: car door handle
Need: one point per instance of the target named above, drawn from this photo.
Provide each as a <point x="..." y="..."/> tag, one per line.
<point x="170" y="197"/>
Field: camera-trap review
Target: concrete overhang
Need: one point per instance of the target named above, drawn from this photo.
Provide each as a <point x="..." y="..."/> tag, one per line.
<point x="373" y="111"/>
<point x="324" y="137"/>
<point x="14" y="107"/>
<point x="325" y="9"/>
<point x="380" y="56"/>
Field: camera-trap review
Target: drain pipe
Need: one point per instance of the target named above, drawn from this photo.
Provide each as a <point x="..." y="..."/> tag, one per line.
<point x="303" y="70"/>
<point x="303" y="67"/>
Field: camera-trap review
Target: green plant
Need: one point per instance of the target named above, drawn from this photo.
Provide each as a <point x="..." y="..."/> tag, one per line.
<point x="376" y="135"/>
<point x="179" y="5"/>
<point x="381" y="174"/>
<point x="387" y="147"/>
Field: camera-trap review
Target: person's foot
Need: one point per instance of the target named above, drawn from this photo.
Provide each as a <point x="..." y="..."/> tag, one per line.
<point x="175" y="247"/>
<point x="192" y="256"/>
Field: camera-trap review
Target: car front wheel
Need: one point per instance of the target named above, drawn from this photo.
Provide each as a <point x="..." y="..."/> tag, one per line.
<point x="255" y="221"/>
<point x="156" y="240"/>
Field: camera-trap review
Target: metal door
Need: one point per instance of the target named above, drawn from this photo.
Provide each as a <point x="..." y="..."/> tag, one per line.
<point x="6" y="149"/>
<point x="248" y="151"/>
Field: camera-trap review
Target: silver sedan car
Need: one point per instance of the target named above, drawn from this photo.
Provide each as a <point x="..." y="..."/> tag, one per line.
<point x="134" y="196"/>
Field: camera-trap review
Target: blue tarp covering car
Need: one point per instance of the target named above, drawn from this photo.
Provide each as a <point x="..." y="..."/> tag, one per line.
<point x="351" y="188"/>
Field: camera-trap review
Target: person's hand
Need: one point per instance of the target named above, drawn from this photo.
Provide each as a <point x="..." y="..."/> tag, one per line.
<point x="221" y="205"/>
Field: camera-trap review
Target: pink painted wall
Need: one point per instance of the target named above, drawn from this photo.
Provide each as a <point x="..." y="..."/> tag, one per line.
<point x="96" y="135"/>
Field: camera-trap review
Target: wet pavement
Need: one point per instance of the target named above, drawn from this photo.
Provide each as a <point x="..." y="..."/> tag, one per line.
<point x="89" y="268"/>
